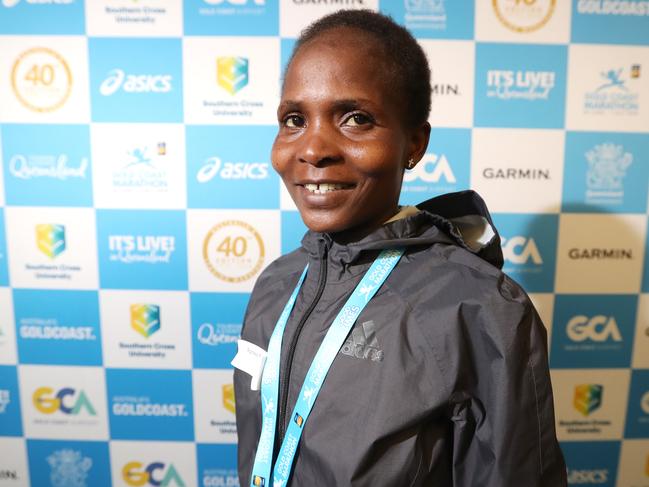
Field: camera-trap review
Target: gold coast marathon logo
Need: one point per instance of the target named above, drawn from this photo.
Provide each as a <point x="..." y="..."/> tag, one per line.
<point x="524" y="15"/>
<point x="41" y="79"/>
<point x="233" y="251"/>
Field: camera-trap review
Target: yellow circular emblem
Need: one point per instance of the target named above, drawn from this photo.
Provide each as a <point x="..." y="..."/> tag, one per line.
<point x="233" y="251"/>
<point x="524" y="15"/>
<point x="41" y="79"/>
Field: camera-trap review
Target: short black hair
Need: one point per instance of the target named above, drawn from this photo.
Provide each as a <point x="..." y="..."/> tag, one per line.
<point x="404" y="57"/>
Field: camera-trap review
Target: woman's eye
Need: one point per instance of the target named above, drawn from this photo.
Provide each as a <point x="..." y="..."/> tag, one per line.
<point x="357" y="119"/>
<point x="294" y="121"/>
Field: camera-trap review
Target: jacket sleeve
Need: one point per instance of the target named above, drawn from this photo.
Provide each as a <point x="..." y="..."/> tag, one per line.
<point x="501" y="405"/>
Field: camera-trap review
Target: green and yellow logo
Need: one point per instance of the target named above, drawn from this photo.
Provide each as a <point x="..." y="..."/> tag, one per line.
<point x="145" y="319"/>
<point x="228" y="397"/>
<point x="66" y="400"/>
<point x="157" y="474"/>
<point x="50" y="239"/>
<point x="232" y="73"/>
<point x="588" y="398"/>
<point x="258" y="481"/>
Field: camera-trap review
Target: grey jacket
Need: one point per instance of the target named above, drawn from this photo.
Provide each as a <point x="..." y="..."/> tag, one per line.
<point x="443" y="380"/>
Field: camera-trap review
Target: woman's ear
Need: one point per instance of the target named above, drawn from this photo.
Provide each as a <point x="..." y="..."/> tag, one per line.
<point x="419" y="141"/>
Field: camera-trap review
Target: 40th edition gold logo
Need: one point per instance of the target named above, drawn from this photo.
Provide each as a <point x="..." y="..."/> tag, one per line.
<point x="233" y="251"/>
<point x="524" y="15"/>
<point x="41" y="79"/>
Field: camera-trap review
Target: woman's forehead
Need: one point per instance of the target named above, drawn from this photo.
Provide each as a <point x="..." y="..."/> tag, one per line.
<point x="330" y="61"/>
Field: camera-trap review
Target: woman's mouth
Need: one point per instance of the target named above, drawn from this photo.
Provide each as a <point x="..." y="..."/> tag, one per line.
<point x="323" y="188"/>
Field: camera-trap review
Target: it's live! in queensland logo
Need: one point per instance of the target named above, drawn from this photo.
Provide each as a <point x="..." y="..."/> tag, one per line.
<point x="520" y="85"/>
<point x="142" y="250"/>
<point x="593" y="331"/>
<point x="136" y="80"/>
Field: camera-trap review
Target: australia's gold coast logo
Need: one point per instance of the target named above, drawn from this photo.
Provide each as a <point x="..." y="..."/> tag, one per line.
<point x="524" y="15"/>
<point x="233" y="251"/>
<point x="41" y="79"/>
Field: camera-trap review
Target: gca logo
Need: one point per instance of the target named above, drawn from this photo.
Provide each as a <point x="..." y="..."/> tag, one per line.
<point x="430" y="170"/>
<point x="155" y="474"/>
<point x="644" y="402"/>
<point x="587" y="476"/>
<point x="135" y="83"/>
<point x="520" y="250"/>
<point x="231" y="170"/>
<point x="599" y="328"/>
<point x="66" y="400"/>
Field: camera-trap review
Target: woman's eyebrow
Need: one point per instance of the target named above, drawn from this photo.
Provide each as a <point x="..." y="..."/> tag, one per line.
<point x="289" y="105"/>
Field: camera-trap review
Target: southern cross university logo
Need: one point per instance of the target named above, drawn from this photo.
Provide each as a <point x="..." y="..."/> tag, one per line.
<point x="69" y="468"/>
<point x="145" y="319"/>
<point x="228" y="397"/>
<point x="588" y="398"/>
<point x="232" y="73"/>
<point x="50" y="239"/>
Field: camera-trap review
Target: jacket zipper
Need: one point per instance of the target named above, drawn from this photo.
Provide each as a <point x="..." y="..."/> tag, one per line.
<point x="285" y="379"/>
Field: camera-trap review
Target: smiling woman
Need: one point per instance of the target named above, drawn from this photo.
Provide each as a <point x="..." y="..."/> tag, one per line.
<point x="390" y="349"/>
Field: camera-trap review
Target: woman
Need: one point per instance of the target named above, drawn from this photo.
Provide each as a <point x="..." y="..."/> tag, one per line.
<point x="438" y="379"/>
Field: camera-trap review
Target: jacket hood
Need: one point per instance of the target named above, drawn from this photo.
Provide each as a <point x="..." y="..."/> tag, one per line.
<point x="460" y="219"/>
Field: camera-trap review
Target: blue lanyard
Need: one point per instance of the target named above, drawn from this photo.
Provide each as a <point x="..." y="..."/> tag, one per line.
<point x="334" y="339"/>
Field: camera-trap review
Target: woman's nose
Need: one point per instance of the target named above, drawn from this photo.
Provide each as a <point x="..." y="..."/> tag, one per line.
<point x="318" y="146"/>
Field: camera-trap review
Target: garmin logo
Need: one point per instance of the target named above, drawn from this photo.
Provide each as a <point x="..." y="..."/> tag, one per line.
<point x="6" y="474"/>
<point x="213" y="167"/>
<point x="445" y="89"/>
<point x="581" y="477"/>
<point x="613" y="7"/>
<point x="599" y="328"/>
<point x="520" y="250"/>
<point x="515" y="173"/>
<point x="600" y="254"/>
<point x="135" y="83"/>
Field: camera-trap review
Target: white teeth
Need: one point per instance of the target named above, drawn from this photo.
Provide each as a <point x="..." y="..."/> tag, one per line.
<point x="323" y="187"/>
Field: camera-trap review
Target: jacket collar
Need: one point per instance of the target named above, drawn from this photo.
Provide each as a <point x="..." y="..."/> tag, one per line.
<point x="456" y="218"/>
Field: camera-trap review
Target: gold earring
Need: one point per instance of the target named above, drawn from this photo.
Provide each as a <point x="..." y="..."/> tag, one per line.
<point x="411" y="163"/>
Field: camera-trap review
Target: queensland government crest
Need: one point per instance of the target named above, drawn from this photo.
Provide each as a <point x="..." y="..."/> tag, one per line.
<point x="69" y="468"/>
<point x="607" y="165"/>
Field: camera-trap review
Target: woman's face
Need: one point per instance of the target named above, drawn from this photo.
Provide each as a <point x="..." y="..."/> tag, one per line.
<point x="342" y="143"/>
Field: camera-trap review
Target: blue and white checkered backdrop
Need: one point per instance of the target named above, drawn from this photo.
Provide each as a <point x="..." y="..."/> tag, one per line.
<point x="138" y="205"/>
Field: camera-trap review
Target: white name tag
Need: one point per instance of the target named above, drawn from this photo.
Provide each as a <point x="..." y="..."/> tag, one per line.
<point x="250" y="359"/>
